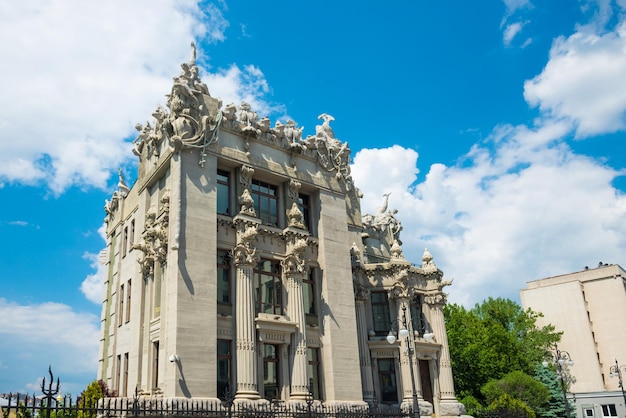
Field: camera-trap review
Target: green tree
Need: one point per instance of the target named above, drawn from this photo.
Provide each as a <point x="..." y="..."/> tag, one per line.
<point x="492" y="339"/>
<point x="88" y="399"/>
<point x="506" y="405"/>
<point x="555" y="407"/>
<point x="518" y="385"/>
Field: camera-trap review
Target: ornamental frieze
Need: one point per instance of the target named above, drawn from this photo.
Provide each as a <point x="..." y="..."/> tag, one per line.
<point x="154" y="244"/>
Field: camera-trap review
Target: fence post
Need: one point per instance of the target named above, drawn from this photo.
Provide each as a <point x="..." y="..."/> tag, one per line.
<point x="49" y="392"/>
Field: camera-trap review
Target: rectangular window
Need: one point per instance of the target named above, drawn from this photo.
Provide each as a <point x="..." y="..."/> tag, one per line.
<point x="223" y="277"/>
<point x="305" y="207"/>
<point x="309" y="298"/>
<point x="609" y="410"/>
<point x="128" y="294"/>
<point x="224" y="361"/>
<point x="120" y="312"/>
<point x="223" y="192"/>
<point x="131" y="238"/>
<point x="268" y="287"/>
<point x="125" y="241"/>
<point x="417" y="315"/>
<point x="314" y="372"/>
<point x="380" y="313"/>
<point x="271" y="372"/>
<point x="265" y="198"/>
<point x="155" y="364"/>
<point x="118" y="373"/>
<point x="158" y="276"/>
<point x="125" y="390"/>
<point x="387" y="380"/>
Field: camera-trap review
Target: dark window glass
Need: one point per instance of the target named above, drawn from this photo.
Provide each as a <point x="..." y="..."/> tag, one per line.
<point x="609" y="410"/>
<point x="305" y="207"/>
<point x="387" y="380"/>
<point x="223" y="277"/>
<point x="380" y="313"/>
<point x="313" y="372"/>
<point x="224" y="361"/>
<point x="265" y="198"/>
<point x="308" y="293"/>
<point x="417" y="315"/>
<point x="268" y="288"/>
<point x="271" y="372"/>
<point x="223" y="192"/>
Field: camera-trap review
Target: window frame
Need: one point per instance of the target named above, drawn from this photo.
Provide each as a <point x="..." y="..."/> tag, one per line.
<point x="271" y="197"/>
<point x="276" y="305"/>
<point x="381" y="326"/>
<point x="225" y="184"/>
<point x="228" y="358"/>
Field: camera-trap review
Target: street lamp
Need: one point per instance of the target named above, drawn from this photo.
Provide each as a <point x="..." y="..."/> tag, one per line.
<point x="616" y="371"/>
<point x="410" y="350"/>
<point x="561" y="358"/>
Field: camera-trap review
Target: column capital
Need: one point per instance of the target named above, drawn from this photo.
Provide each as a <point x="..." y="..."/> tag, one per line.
<point x="436" y="299"/>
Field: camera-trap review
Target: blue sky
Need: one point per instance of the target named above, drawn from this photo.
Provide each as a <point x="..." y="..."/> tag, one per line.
<point x="497" y="126"/>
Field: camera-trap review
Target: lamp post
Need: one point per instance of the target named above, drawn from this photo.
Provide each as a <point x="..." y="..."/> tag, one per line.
<point x="560" y="358"/>
<point x="616" y="371"/>
<point x="410" y="350"/>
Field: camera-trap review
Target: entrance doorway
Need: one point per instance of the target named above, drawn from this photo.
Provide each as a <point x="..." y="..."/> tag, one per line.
<point x="427" y="386"/>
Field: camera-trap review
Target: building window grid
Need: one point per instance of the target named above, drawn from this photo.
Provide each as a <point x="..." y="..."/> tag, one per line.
<point x="268" y="295"/>
<point x="609" y="410"/>
<point x="271" y="372"/>
<point x="265" y="198"/>
<point x="223" y="192"/>
<point x="118" y="372"/>
<point x="387" y="380"/>
<point x="380" y="313"/>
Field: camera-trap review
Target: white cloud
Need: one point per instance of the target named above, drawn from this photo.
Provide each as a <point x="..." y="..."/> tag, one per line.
<point x="511" y="31"/>
<point x="583" y="81"/>
<point x="81" y="75"/>
<point x="54" y="334"/>
<point x="234" y="85"/>
<point x="93" y="285"/>
<point x="519" y="208"/>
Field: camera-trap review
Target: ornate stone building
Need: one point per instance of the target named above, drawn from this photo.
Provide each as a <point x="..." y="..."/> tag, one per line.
<point x="239" y="264"/>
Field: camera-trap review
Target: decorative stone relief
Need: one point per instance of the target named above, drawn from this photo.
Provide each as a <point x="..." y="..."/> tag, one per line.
<point x="384" y="220"/>
<point x="295" y="263"/>
<point x="427" y="261"/>
<point x="355" y="254"/>
<point x="294" y="188"/>
<point x="295" y="216"/>
<point x="396" y="251"/>
<point x="439" y="298"/>
<point x="245" y="252"/>
<point x="333" y="155"/>
<point x="245" y="200"/>
<point x="155" y="237"/>
<point x="360" y="291"/>
<point x="111" y="206"/>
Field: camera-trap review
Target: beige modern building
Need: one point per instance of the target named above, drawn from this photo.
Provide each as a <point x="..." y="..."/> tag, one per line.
<point x="239" y="264"/>
<point x="589" y="307"/>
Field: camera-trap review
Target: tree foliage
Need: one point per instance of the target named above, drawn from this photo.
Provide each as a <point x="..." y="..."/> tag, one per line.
<point x="506" y="405"/>
<point x="87" y="400"/>
<point x="492" y="339"/>
<point x="518" y="385"/>
<point x="555" y="407"/>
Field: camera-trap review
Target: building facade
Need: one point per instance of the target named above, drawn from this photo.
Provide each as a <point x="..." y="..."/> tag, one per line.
<point x="239" y="265"/>
<point x="588" y="307"/>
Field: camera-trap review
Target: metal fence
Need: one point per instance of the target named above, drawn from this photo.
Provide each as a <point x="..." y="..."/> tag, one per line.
<point x="22" y="406"/>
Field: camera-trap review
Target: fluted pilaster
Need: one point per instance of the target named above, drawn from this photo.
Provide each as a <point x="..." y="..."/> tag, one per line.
<point x="295" y="312"/>
<point x="435" y="304"/>
<point x="245" y="257"/>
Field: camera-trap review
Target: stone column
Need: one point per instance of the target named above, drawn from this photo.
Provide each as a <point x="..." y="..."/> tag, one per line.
<point x="435" y="304"/>
<point x="294" y="270"/>
<point x="367" y="381"/>
<point x="245" y="258"/>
